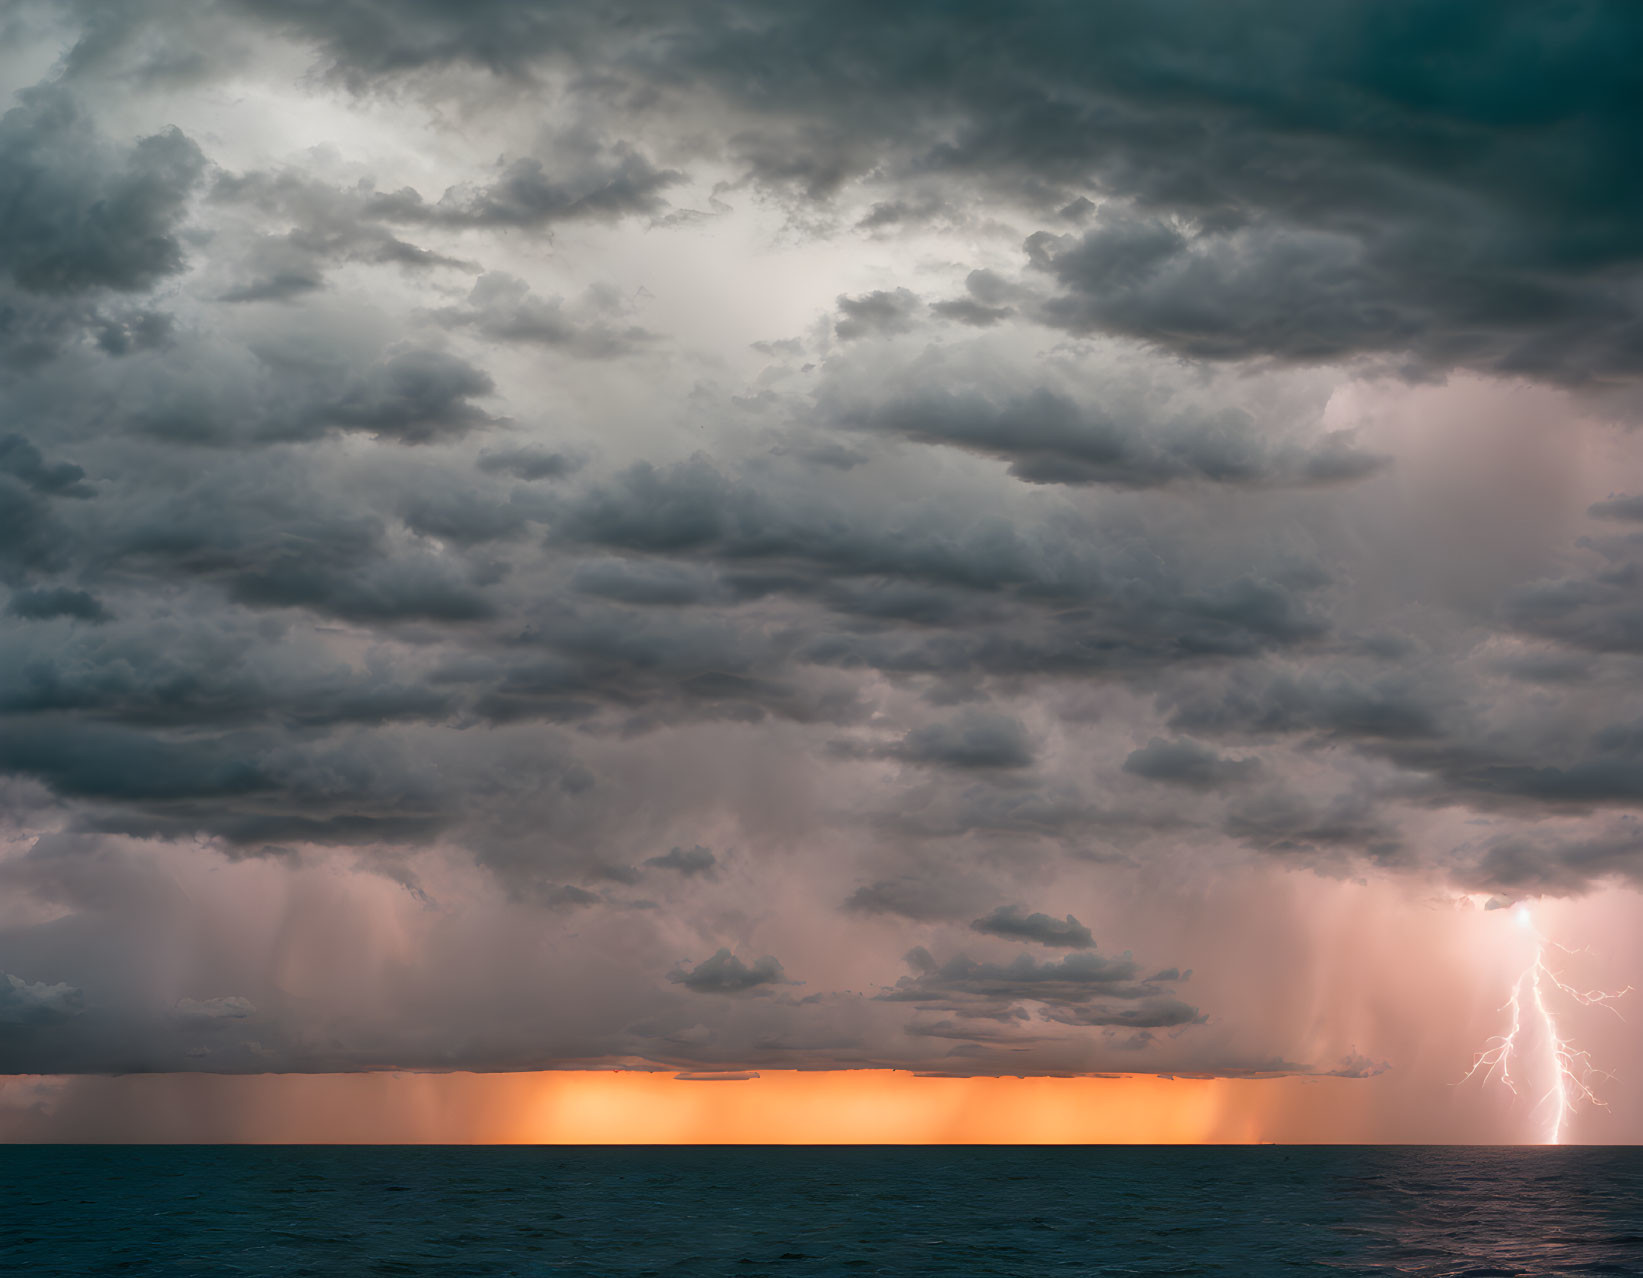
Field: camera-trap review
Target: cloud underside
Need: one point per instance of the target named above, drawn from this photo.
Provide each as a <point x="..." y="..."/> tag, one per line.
<point x="801" y="525"/>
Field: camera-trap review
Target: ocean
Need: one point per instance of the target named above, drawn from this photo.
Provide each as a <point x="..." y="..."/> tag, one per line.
<point x="746" y="1211"/>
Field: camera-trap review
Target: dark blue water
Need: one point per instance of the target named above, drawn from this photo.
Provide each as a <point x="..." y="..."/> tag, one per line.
<point x="804" y="1211"/>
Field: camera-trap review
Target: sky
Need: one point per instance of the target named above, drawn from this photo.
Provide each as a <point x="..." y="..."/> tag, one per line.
<point x="718" y="570"/>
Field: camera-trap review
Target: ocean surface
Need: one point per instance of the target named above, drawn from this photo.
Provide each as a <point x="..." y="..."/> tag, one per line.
<point x="799" y="1211"/>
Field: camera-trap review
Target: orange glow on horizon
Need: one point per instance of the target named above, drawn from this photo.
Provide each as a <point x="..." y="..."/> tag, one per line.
<point x="865" y="1107"/>
<point x="630" y="1107"/>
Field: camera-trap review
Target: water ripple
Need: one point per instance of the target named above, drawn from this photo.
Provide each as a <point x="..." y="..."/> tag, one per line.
<point x="1431" y="1213"/>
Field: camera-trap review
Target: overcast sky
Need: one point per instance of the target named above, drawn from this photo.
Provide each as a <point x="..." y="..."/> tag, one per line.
<point x="975" y="538"/>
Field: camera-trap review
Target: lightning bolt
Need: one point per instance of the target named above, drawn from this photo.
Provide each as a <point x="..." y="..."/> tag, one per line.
<point x="1570" y="1068"/>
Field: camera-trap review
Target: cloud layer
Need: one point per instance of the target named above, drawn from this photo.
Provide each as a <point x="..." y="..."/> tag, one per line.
<point x="722" y="535"/>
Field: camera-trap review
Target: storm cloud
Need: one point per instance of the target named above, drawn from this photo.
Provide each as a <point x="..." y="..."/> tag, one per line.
<point x="514" y="514"/>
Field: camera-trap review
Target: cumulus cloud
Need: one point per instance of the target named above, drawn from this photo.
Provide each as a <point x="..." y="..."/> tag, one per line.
<point x="1012" y="922"/>
<point x="724" y="973"/>
<point x="86" y="213"/>
<point x="26" y="1003"/>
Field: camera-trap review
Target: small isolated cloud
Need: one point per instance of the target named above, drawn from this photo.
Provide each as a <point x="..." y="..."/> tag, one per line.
<point x="1011" y="922"/>
<point x="717" y="1075"/>
<point x="724" y="973"/>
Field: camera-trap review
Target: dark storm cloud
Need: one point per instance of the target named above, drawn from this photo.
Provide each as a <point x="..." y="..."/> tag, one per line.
<point x="469" y="518"/>
<point x="1321" y="294"/>
<point x="1287" y="824"/>
<point x="217" y="675"/>
<point x="56" y="601"/>
<point x="1049" y="439"/>
<point x="1319" y="198"/>
<point x="26" y="1003"/>
<point x="654" y="670"/>
<point x="1599" y="613"/>
<point x="247" y="788"/>
<point x="1604" y="770"/>
<point x="966" y="310"/>
<point x="22" y="460"/>
<point x="724" y="973"/>
<point x="328" y="225"/>
<point x="900" y="213"/>
<point x="1186" y="763"/>
<point x="413" y="397"/>
<point x="117" y="764"/>
<point x="31" y="537"/>
<point x="1012" y="923"/>
<point x="1338" y="704"/>
<point x="124" y="331"/>
<point x="1110" y="635"/>
<point x="292" y="388"/>
<point x="1082" y="989"/>
<point x="694" y="508"/>
<point x="988" y="303"/>
<point x="876" y="314"/>
<point x="268" y="557"/>
<point x="351" y="527"/>
<point x="1435" y="734"/>
<point x="1077" y="613"/>
<point x="1152" y="1013"/>
<point x="974" y="740"/>
<point x="1073" y="979"/>
<point x="1536" y="864"/>
<point x="84" y="214"/>
<point x="657" y="584"/>
<point x="591" y="183"/>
